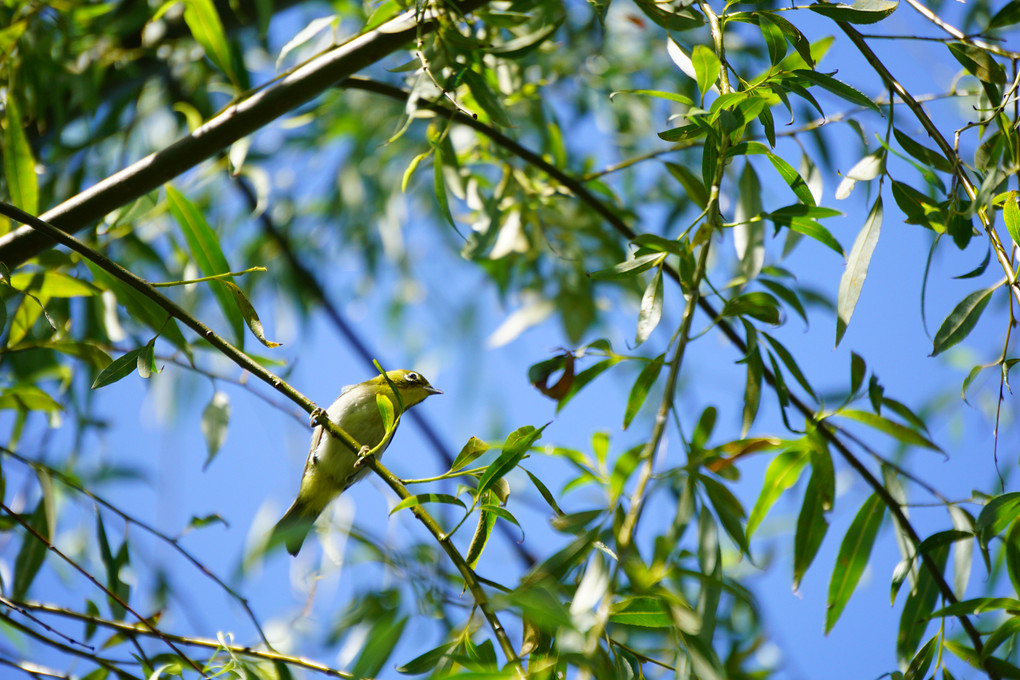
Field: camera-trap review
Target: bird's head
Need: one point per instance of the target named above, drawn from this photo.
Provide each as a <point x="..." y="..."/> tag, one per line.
<point x="411" y="385"/>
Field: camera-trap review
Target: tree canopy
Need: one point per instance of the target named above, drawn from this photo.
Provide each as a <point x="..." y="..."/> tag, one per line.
<point x="640" y="247"/>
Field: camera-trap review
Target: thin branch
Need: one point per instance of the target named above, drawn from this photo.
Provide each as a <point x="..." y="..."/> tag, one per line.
<point x="261" y="107"/>
<point x="960" y="35"/>
<point x="206" y="643"/>
<point x="34" y="669"/>
<point x="173" y="542"/>
<point x="109" y="593"/>
<point x="108" y="664"/>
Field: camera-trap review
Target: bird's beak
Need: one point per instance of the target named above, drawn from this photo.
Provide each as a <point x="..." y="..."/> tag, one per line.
<point x="432" y="390"/>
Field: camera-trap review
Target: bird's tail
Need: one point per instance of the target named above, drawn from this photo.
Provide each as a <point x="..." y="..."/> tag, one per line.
<point x="294" y="526"/>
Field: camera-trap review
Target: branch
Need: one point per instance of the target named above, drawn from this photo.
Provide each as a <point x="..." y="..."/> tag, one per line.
<point x="238" y="120"/>
<point x="70" y="483"/>
<point x="240" y="650"/>
<point x="109" y="593"/>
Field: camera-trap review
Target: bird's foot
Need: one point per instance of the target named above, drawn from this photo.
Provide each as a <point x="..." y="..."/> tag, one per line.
<point x="363" y="456"/>
<point x="314" y="416"/>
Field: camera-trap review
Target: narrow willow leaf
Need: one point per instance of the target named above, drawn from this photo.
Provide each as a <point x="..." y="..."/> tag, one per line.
<point x="782" y="473"/>
<point x="890" y="427"/>
<point x="487" y="99"/>
<point x="32" y="552"/>
<point x="147" y="360"/>
<point x="439" y="186"/>
<point x="1012" y="548"/>
<point x="19" y="165"/>
<point x="979" y="63"/>
<point x="427" y="661"/>
<point x="775" y="40"/>
<point x="922" y="153"/>
<point x="962" y="319"/>
<point x="858" y="369"/>
<point x="998" y="514"/>
<point x="671" y="96"/>
<point x="854" y="552"/>
<point x="861" y="12"/>
<point x="486" y="521"/>
<point x="918" y="608"/>
<point x="514" y="449"/>
<point x="383" y="636"/>
<point x="963" y="552"/>
<point x="141" y="308"/>
<point x="474" y="448"/>
<point x="707" y="67"/>
<point x="215" y="419"/>
<point x="852" y="281"/>
<point x="694" y="188"/>
<point x="629" y="268"/>
<point x="27" y="398"/>
<point x="651" y="308"/>
<point x="204" y="245"/>
<point x="544" y="491"/>
<point x="758" y="305"/>
<point x="53" y="284"/>
<point x="421" y="498"/>
<point x="204" y="23"/>
<point x="645" y="612"/>
<point x="1011" y="216"/>
<point x="752" y="391"/>
<point x="922" y="660"/>
<point x="248" y="313"/>
<point x="730" y="511"/>
<point x="839" y="88"/>
<point x="789" y="362"/>
<point x="811" y="525"/>
<point x="649" y="374"/>
<point x="1007" y="630"/>
<point x="119" y="368"/>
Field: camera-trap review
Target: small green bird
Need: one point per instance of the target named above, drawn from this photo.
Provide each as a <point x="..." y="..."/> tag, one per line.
<point x="330" y="468"/>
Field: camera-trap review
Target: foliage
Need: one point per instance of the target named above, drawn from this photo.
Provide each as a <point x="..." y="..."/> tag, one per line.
<point x="616" y="171"/>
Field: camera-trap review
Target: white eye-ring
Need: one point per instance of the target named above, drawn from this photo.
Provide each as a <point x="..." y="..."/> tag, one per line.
<point x="413" y="377"/>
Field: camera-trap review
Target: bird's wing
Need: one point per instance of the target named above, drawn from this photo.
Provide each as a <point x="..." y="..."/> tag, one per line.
<point x="316" y="438"/>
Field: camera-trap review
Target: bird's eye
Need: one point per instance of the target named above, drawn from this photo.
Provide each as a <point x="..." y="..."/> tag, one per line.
<point x="412" y="378"/>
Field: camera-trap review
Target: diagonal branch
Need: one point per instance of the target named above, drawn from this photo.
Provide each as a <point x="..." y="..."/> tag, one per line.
<point x="238" y="120"/>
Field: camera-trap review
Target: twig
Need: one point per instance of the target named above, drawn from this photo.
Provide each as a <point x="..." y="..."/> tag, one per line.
<point x="173" y="542"/>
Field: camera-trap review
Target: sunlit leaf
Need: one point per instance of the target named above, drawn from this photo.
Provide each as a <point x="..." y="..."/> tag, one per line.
<point x="854" y="552"/>
<point x="856" y="272"/>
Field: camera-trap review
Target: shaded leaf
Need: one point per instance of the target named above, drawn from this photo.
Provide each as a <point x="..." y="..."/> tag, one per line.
<point x="854" y="552"/>
<point x="962" y="319"/>
<point x="215" y="419"/>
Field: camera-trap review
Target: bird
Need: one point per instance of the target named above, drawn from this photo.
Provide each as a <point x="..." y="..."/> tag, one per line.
<point x="331" y="467"/>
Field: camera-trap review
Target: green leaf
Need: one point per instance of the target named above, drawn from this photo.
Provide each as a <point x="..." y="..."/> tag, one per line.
<point x="147" y="360"/>
<point x="113" y="565"/>
<point x="774" y="37"/>
<point x="384" y="634"/>
<point x="706" y="67"/>
<point x="852" y="281"/>
<point x="789" y="362"/>
<point x="426" y="662"/>
<point x="693" y="187"/>
<point x="671" y="96"/>
<point x="838" y="88"/>
<point x="861" y="12"/>
<point x="785" y="170"/>
<point x="645" y="612"/>
<point x="119" y="368"/>
<point x="32" y="552"/>
<point x="962" y="319"/>
<point x="248" y="313"/>
<point x="474" y="448"/>
<point x="19" y="165"/>
<point x="215" y="419"/>
<point x="204" y="23"/>
<point x="782" y="473"/>
<point x="421" y="498"/>
<point x="205" y="250"/>
<point x="27" y="398"/>
<point x="1007" y="16"/>
<point x="918" y="608"/>
<point x="649" y="374"/>
<point x="514" y="449"/>
<point x="893" y="429"/>
<point x="544" y="491"/>
<point x="628" y="269"/>
<point x="998" y="514"/>
<point x="651" y="308"/>
<point x="487" y="99"/>
<point x="52" y="284"/>
<point x="1011" y="215"/>
<point x="811" y="524"/>
<point x="730" y="511"/>
<point x="922" y="660"/>
<point x="979" y="63"/>
<point x="927" y="156"/>
<point x="758" y="305"/>
<point x="854" y="552"/>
